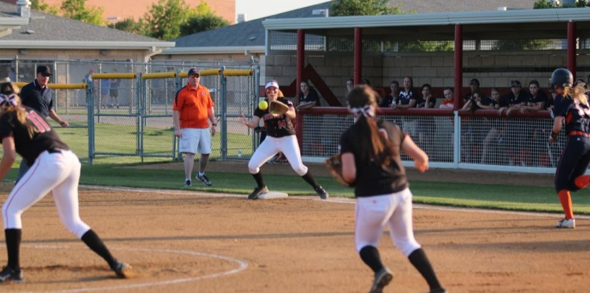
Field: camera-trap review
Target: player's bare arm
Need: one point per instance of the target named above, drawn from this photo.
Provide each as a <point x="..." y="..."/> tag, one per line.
<point x="176" y="121"/>
<point x="249" y="123"/>
<point x="557" y="124"/>
<point x="348" y="167"/>
<point x="416" y="153"/>
<point x="9" y="155"/>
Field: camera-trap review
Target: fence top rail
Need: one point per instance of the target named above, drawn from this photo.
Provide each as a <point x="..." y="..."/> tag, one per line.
<point x="155" y="75"/>
<point x="204" y="72"/>
<point x="427" y="112"/>
<point x="114" y="75"/>
<point x="59" y="86"/>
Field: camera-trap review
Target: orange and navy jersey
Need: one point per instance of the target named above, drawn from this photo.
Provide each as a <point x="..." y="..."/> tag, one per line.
<point x="577" y="116"/>
<point x="193" y="106"/>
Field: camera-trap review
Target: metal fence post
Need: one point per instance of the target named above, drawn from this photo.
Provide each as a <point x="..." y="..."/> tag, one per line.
<point x="90" y="110"/>
<point x="223" y="99"/>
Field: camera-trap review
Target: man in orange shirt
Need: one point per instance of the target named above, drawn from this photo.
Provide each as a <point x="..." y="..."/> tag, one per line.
<point x="192" y="111"/>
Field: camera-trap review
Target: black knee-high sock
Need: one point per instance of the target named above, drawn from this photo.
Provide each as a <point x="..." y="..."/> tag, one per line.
<point x="13" y="238"/>
<point x="258" y="178"/>
<point x="370" y="255"/>
<point x="309" y="179"/>
<point x="93" y="242"/>
<point x="420" y="261"/>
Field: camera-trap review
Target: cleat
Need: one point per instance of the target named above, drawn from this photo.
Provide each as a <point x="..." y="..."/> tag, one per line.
<point x="123" y="270"/>
<point x="322" y="192"/>
<point x="257" y="192"/>
<point x="565" y="223"/>
<point x="10" y="275"/>
<point x="439" y="290"/>
<point x="382" y="279"/>
<point x="204" y="179"/>
<point x="188" y="183"/>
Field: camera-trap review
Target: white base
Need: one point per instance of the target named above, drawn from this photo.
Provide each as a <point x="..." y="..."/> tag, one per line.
<point x="273" y="194"/>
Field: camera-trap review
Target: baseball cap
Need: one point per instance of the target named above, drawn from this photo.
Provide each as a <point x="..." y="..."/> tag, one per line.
<point x="515" y="83"/>
<point x="44" y="70"/>
<point x="474" y="81"/>
<point x="271" y="83"/>
<point x="193" y="71"/>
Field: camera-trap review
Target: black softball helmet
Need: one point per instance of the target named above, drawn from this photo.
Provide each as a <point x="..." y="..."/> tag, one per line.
<point x="561" y="77"/>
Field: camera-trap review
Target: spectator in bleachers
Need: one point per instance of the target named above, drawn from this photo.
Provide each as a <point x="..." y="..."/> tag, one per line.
<point x="426" y="125"/>
<point x="308" y="96"/>
<point x="474" y="85"/>
<point x="349" y="85"/>
<point x="515" y="131"/>
<point x="536" y="100"/>
<point x="473" y="127"/>
<point x="448" y="102"/>
<point x="408" y="98"/>
<point x="494" y="124"/>
<point x="391" y="99"/>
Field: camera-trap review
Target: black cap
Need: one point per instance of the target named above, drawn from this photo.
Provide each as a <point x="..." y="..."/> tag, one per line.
<point x="193" y="71"/>
<point x="515" y="83"/>
<point x="44" y="70"/>
<point x="474" y="81"/>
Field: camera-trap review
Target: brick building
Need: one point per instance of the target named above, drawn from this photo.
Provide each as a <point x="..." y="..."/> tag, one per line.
<point x="137" y="8"/>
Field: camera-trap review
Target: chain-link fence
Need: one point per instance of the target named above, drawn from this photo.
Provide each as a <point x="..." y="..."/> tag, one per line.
<point x="484" y="143"/>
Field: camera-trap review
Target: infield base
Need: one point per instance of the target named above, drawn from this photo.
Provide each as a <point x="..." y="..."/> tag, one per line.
<point x="273" y="195"/>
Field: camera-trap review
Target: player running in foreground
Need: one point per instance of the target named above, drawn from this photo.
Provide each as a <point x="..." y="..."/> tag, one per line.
<point x="571" y="107"/>
<point x="53" y="168"/>
<point x="280" y="137"/>
<point x="371" y="162"/>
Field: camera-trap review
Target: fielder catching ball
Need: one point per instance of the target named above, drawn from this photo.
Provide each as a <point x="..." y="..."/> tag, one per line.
<point x="280" y="138"/>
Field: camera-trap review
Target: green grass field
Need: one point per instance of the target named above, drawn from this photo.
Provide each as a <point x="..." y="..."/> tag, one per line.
<point x="518" y="198"/>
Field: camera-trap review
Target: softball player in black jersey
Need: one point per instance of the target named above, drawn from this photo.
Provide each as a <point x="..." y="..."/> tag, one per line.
<point x="280" y="137"/>
<point x="53" y="168"/>
<point x="371" y="161"/>
<point x="571" y="106"/>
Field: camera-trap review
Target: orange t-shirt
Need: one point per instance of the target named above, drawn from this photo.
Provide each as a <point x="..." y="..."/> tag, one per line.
<point x="193" y="107"/>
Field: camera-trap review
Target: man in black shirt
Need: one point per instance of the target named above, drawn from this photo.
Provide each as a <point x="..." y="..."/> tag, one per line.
<point x="38" y="96"/>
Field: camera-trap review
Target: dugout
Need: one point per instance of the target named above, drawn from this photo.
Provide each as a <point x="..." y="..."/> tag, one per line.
<point x="442" y="49"/>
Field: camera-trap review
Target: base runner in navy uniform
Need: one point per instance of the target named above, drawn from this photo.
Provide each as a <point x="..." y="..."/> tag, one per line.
<point x="53" y="168"/>
<point x="280" y="137"/>
<point x="571" y="106"/>
<point x="371" y="162"/>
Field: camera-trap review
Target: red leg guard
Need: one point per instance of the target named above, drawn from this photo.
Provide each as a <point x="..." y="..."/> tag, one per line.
<point x="582" y="181"/>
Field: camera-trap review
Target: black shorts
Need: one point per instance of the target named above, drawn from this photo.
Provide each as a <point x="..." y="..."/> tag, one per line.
<point x="114" y="93"/>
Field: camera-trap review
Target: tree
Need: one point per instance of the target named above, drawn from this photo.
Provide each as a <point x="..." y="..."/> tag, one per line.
<point x="76" y="9"/>
<point x="201" y="23"/>
<point x="44" y="7"/>
<point x="543" y="4"/>
<point x="362" y="7"/>
<point x="165" y="19"/>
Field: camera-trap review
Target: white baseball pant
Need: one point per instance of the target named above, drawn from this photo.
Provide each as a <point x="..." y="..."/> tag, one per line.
<point x="374" y="212"/>
<point x="273" y="145"/>
<point x="56" y="172"/>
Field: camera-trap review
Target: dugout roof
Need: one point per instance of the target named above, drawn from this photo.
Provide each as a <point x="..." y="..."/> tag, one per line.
<point x="484" y="25"/>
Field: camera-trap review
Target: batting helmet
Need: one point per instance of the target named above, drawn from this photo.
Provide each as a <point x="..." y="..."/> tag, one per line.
<point x="561" y="77"/>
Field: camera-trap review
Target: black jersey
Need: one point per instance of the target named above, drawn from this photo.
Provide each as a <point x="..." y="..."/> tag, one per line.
<point x="577" y="116"/>
<point x="276" y="126"/>
<point x="29" y="148"/>
<point x="371" y="178"/>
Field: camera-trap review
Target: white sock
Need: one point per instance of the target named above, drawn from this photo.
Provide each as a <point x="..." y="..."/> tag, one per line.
<point x="201" y="174"/>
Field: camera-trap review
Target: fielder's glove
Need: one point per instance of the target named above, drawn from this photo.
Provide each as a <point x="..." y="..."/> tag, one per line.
<point x="277" y="108"/>
<point x="334" y="166"/>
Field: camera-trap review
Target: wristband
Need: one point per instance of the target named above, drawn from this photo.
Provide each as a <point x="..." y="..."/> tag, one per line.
<point x="554" y="135"/>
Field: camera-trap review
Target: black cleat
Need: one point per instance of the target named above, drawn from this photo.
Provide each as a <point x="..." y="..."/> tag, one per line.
<point x="439" y="290"/>
<point x="123" y="270"/>
<point x="10" y="275"/>
<point x="188" y="183"/>
<point x="322" y="192"/>
<point x="382" y="279"/>
<point x="204" y="179"/>
<point x="257" y="192"/>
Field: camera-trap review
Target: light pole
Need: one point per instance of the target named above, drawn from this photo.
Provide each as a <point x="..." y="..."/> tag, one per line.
<point x="113" y="19"/>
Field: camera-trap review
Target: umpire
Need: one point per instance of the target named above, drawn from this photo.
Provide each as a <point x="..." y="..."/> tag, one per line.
<point x="38" y="96"/>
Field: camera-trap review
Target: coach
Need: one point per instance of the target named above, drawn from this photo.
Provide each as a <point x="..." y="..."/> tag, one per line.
<point x="192" y="111"/>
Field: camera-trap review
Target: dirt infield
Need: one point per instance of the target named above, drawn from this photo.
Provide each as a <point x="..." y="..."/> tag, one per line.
<point x="181" y="241"/>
